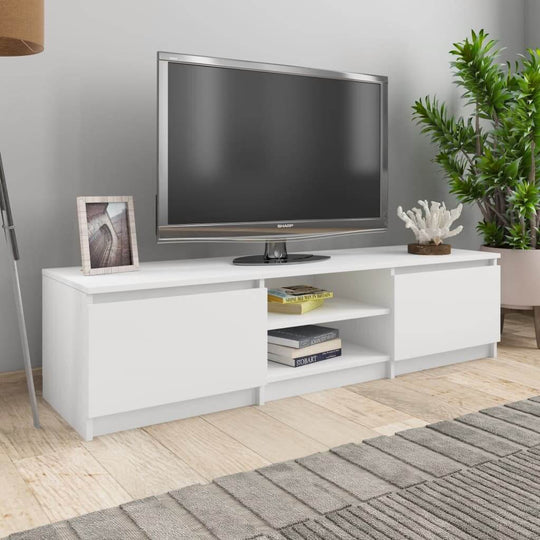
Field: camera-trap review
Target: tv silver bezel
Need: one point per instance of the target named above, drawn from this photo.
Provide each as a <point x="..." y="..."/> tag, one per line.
<point x="321" y="228"/>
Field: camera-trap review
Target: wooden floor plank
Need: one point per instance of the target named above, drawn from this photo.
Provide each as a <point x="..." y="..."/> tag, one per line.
<point x="19" y="509"/>
<point x="316" y="422"/>
<point x="526" y="356"/>
<point x="399" y="395"/>
<point x="141" y="464"/>
<point x="513" y="370"/>
<point x="205" y="448"/>
<point x="503" y="388"/>
<point x="390" y="429"/>
<point x="464" y="397"/>
<point x="14" y="382"/>
<point x="362" y="410"/>
<point x="69" y="483"/>
<point x="268" y="437"/>
<point x="18" y="437"/>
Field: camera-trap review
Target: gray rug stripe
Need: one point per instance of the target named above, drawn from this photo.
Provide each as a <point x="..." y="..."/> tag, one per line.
<point x="535" y="451"/>
<point x="387" y="467"/>
<point x="268" y="501"/>
<point x="535" y="398"/>
<point x="291" y="534"/>
<point x="513" y="416"/>
<point x="220" y="513"/>
<point x="308" y="487"/>
<point x="350" y="523"/>
<point x="296" y="533"/>
<point x="407" y="520"/>
<point x="451" y="448"/>
<point x="46" y="532"/>
<point x="273" y="536"/>
<point x="525" y="457"/>
<point x="360" y="483"/>
<point x="529" y="457"/>
<point x="56" y="531"/>
<point x="110" y="524"/>
<point x="501" y="428"/>
<point x="513" y="492"/>
<point x="326" y="530"/>
<point x="415" y="455"/>
<point x="488" y="523"/>
<point x="524" y="512"/>
<point x="373" y="516"/>
<point x="525" y="462"/>
<point x="425" y="520"/>
<point x="517" y="474"/>
<point x="526" y="406"/>
<point x="162" y="518"/>
<point x="475" y="437"/>
<point x="520" y="472"/>
<point x="448" y="514"/>
<point x="494" y="482"/>
<point x="509" y="478"/>
<point x="496" y="517"/>
<point x="311" y="530"/>
<point x="362" y="530"/>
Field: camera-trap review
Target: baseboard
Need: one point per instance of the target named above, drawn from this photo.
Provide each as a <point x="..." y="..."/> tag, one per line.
<point x="166" y="413"/>
<point x="443" y="359"/>
<point x="324" y="381"/>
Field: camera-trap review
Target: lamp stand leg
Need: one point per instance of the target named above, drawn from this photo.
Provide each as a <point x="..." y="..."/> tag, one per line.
<point x="24" y="344"/>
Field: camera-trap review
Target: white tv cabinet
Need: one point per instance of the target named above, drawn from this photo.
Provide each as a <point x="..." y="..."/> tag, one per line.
<point x="183" y="338"/>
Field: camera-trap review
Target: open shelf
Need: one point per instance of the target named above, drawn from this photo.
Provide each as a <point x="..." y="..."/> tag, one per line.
<point x="353" y="356"/>
<point x="333" y="309"/>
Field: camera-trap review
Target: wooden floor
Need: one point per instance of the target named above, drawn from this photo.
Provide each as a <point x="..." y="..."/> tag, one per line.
<point x="50" y="474"/>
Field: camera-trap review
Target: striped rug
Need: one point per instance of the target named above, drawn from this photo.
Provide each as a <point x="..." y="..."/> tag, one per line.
<point x="474" y="477"/>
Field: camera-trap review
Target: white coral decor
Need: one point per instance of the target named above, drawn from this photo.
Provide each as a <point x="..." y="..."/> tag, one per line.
<point x="434" y="227"/>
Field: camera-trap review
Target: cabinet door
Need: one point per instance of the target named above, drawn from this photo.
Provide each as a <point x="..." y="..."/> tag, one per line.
<point x="153" y="351"/>
<point x="446" y="310"/>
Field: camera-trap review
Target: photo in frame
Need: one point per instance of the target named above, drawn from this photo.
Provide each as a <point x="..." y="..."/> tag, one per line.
<point x="107" y="234"/>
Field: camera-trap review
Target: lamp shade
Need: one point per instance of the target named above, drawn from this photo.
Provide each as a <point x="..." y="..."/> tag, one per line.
<point x="21" y="27"/>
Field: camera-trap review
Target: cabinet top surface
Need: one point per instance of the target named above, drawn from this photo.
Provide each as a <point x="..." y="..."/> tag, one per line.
<point x="156" y="275"/>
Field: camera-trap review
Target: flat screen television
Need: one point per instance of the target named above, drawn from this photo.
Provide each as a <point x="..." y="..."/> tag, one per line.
<point x="268" y="153"/>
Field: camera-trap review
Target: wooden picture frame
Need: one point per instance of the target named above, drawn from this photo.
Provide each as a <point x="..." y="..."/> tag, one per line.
<point x="107" y="234"/>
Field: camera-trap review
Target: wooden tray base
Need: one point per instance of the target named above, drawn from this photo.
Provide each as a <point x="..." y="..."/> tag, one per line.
<point x="429" y="249"/>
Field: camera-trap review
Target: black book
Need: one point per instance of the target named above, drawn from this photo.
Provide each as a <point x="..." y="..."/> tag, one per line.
<point x="302" y="336"/>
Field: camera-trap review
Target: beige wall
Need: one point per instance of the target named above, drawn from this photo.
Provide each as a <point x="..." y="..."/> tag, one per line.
<point x="80" y="119"/>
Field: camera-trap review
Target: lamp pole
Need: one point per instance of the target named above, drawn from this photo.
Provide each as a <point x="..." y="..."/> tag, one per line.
<point x="21" y="34"/>
<point x="11" y="238"/>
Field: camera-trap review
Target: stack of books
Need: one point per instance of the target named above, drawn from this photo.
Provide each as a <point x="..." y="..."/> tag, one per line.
<point x="296" y="299"/>
<point x="303" y="345"/>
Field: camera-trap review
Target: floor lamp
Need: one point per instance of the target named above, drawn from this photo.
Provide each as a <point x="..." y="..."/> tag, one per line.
<point x="21" y="34"/>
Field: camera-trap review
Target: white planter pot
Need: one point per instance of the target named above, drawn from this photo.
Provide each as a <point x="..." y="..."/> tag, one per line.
<point x="520" y="277"/>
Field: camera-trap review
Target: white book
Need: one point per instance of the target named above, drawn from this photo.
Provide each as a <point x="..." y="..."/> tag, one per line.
<point x="292" y="352"/>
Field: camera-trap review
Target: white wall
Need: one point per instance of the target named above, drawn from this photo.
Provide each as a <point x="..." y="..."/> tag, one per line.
<point x="79" y="119"/>
<point x="532" y="24"/>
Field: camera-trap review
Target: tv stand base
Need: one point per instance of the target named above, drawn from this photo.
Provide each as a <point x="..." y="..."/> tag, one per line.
<point x="276" y="253"/>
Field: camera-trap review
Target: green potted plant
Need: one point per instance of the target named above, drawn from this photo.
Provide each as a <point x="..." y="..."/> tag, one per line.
<point x="491" y="157"/>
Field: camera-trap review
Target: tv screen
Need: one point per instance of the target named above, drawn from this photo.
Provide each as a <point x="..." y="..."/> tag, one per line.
<point x="250" y="146"/>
